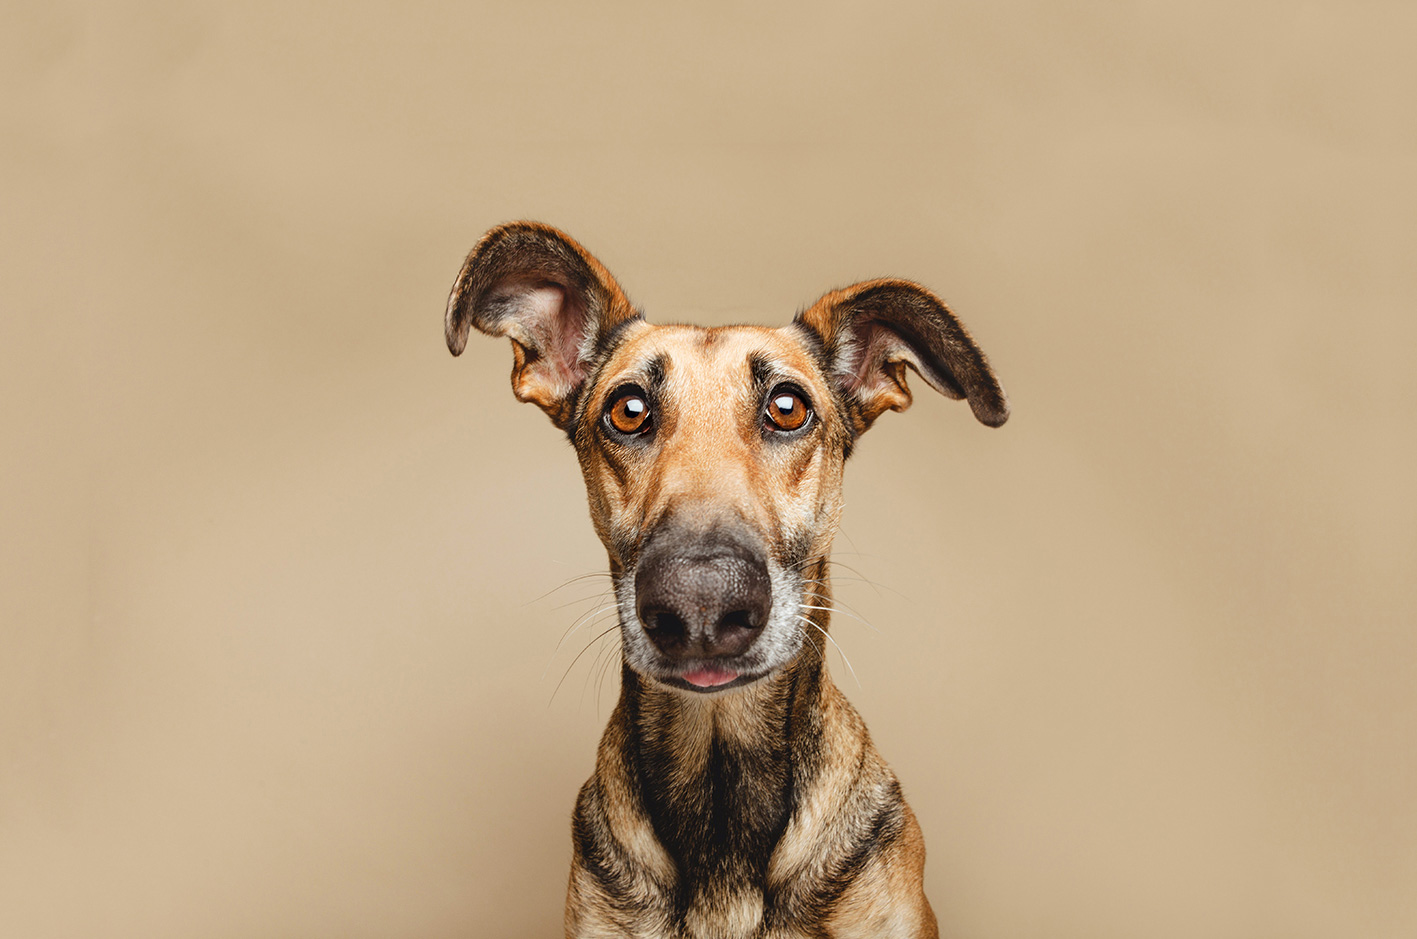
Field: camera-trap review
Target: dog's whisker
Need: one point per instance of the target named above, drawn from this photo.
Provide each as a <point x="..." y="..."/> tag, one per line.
<point x="600" y="682"/>
<point x="854" y="554"/>
<point x="568" y="583"/>
<point x="575" y="623"/>
<point x="815" y="645"/>
<point x="805" y="562"/>
<point x="580" y="622"/>
<point x="859" y="578"/>
<point x="601" y="616"/>
<point x="833" y="609"/>
<point x="839" y="651"/>
<point x="570" y="603"/>
<point x="605" y="602"/>
<point x="876" y="587"/>
<point x="587" y="621"/>
<point x="864" y="579"/>
<point x="595" y="667"/>
<point x="843" y="579"/>
<point x="836" y="605"/>
<point x="587" y="648"/>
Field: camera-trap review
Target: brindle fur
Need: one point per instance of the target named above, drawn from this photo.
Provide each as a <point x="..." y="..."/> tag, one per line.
<point x="764" y="810"/>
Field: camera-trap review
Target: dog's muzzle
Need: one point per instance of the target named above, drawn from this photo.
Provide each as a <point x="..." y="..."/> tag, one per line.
<point x="702" y="598"/>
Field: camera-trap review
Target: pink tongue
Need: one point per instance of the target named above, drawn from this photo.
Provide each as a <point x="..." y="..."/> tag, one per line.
<point x="708" y="677"/>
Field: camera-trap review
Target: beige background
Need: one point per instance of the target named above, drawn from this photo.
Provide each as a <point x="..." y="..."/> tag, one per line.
<point x="272" y="658"/>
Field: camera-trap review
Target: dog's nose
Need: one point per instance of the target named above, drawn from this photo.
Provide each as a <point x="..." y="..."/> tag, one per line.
<point x="702" y="596"/>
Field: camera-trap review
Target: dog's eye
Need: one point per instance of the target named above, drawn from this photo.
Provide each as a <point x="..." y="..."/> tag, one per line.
<point x="629" y="413"/>
<point x="787" y="410"/>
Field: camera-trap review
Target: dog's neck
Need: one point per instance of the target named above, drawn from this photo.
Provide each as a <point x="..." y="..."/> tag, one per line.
<point x="718" y="773"/>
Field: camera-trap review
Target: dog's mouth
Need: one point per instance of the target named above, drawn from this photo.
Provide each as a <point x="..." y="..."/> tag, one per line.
<point x="706" y="679"/>
<point x="708" y="676"/>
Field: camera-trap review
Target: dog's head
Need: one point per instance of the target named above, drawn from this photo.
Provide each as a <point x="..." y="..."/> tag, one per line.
<point x="712" y="457"/>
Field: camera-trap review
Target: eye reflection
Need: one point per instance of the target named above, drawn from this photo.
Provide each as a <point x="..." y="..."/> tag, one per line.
<point x="786" y="410"/>
<point x="629" y="413"/>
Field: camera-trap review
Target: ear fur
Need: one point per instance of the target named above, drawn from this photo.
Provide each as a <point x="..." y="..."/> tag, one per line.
<point x="537" y="286"/>
<point x="872" y="330"/>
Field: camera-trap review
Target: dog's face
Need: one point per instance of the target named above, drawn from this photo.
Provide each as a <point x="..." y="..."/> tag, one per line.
<point x="712" y="460"/>
<point x="712" y="457"/>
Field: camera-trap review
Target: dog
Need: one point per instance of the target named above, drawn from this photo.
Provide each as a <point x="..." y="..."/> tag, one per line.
<point x="736" y="792"/>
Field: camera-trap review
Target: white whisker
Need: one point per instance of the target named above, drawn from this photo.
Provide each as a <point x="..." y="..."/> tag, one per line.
<point x="839" y="652"/>
<point x="839" y="605"/>
<point x="585" y="621"/>
<point x="567" y="584"/>
<point x="581" y="620"/>
<point x="577" y="659"/>
<point x="832" y="609"/>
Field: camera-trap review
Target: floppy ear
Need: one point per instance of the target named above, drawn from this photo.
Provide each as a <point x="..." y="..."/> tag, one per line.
<point x="872" y="330"/>
<point x="557" y="303"/>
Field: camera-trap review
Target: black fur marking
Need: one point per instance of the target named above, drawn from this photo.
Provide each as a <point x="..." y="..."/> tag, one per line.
<point x="815" y="345"/>
<point x="796" y="549"/>
<point x="608" y="339"/>
<point x="655" y="371"/>
<point x="612" y="461"/>
<point x="721" y="823"/>
<point x="596" y="847"/>
<point x="763" y="373"/>
<point x="883" y="830"/>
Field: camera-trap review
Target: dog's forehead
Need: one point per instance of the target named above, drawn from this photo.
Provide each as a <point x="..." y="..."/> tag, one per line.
<point x="709" y="355"/>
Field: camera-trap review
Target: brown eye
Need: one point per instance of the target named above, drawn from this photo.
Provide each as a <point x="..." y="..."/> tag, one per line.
<point x="787" y="410"/>
<point x="629" y="414"/>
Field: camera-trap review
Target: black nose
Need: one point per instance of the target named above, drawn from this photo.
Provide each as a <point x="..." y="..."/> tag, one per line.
<point x="702" y="595"/>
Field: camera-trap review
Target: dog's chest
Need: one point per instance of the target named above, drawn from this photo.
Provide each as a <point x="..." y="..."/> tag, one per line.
<point x="724" y="912"/>
<point x="736" y="914"/>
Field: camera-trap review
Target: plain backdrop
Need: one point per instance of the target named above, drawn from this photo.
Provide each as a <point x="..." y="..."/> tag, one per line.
<point x="282" y="582"/>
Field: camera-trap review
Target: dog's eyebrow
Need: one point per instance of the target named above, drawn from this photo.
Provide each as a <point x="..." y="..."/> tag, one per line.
<point x="768" y="372"/>
<point x="814" y="345"/>
<point x="654" y="371"/>
<point x="763" y="371"/>
<point x="648" y="374"/>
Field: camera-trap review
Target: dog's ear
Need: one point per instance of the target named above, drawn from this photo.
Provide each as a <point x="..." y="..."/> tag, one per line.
<point x="872" y="330"/>
<point x="557" y="303"/>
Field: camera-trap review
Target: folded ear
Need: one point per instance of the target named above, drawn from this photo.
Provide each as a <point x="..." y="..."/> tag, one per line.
<point x="557" y="303"/>
<point x="871" y="331"/>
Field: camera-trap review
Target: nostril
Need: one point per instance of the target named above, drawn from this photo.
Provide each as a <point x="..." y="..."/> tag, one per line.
<point x="663" y="622"/>
<point x="736" y="630"/>
<point x="739" y="619"/>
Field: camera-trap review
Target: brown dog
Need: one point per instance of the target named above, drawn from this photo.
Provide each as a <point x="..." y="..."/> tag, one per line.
<point x="736" y="792"/>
